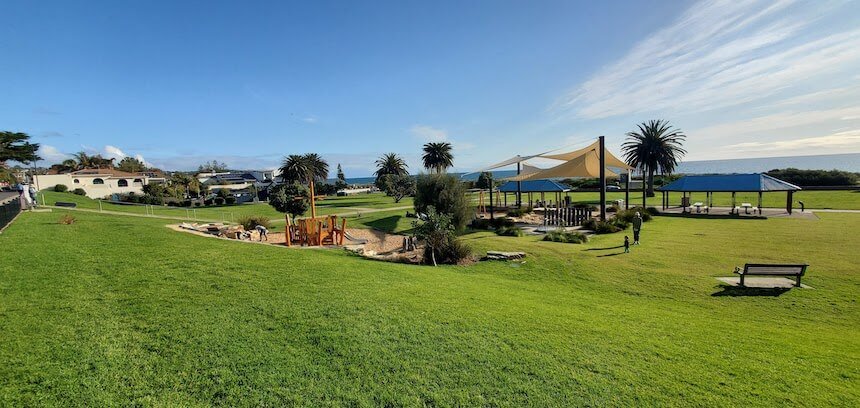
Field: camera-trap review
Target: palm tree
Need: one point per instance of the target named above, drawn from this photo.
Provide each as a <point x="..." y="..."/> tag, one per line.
<point x="305" y="169"/>
<point x="656" y="146"/>
<point x="390" y="163"/>
<point x="437" y="156"/>
<point x="83" y="160"/>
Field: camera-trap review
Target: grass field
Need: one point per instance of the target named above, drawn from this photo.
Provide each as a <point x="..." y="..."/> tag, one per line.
<point x="122" y="311"/>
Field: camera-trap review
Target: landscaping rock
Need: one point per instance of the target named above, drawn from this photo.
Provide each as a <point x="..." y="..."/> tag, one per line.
<point x="504" y="256"/>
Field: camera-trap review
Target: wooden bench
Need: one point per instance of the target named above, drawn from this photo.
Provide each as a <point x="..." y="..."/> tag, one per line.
<point x="796" y="270"/>
<point x="65" y="204"/>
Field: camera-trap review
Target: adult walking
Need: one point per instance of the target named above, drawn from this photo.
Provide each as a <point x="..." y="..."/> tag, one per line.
<point x="637" y="226"/>
<point x="33" y="195"/>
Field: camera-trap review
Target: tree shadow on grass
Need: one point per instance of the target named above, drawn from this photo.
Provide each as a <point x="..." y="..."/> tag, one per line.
<point x="387" y="224"/>
<point x="612" y="254"/>
<point x="735" y="291"/>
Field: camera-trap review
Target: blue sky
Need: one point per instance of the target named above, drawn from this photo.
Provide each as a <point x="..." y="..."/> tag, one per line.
<point x="179" y="83"/>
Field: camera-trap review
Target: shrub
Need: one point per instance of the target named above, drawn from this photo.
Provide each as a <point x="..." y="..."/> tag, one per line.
<point x="79" y="191"/>
<point x="249" y="222"/>
<point x="568" y="237"/>
<point x="292" y="199"/>
<point x="447" y="195"/>
<point x="230" y="200"/>
<point x="509" y="231"/>
<point x="452" y="253"/>
<point x="601" y="227"/>
<point x="519" y="212"/>
<point x="652" y="211"/>
<point x="495" y="223"/>
<point x="437" y="231"/>
<point x="67" y="219"/>
<point x="219" y="200"/>
<point x="197" y="203"/>
<point x="61" y="188"/>
<point x="628" y="215"/>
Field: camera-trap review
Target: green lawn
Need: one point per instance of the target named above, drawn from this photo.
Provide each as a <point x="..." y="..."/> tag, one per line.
<point x="121" y="311"/>
<point x="330" y="205"/>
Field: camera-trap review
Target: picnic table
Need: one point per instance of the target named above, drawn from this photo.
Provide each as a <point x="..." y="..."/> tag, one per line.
<point x="698" y="206"/>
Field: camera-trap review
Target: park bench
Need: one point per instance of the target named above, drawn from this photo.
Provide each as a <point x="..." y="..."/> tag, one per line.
<point x="65" y="204"/>
<point x="796" y="270"/>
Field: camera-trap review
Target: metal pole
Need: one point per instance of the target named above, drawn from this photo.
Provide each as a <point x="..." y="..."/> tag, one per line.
<point x="519" y="187"/>
<point x="627" y="192"/>
<point x="602" y="179"/>
<point x="643" y="188"/>
<point x="100" y="205"/>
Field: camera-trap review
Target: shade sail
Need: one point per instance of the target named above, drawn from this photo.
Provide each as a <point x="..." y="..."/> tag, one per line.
<point x="534" y="186"/>
<point x="611" y="160"/>
<point x="513" y="160"/>
<point x="755" y="182"/>
<point x="585" y="165"/>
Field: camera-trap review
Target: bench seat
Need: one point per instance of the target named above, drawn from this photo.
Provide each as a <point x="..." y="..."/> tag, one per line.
<point x="796" y="270"/>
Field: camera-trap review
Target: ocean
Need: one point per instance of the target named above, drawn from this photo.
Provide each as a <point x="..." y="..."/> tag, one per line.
<point x="845" y="162"/>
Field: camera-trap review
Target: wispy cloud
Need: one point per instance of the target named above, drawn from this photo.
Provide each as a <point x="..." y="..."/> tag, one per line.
<point x="310" y="119"/>
<point x="718" y="54"/>
<point x="774" y="122"/>
<point x="429" y="134"/>
<point x="51" y="154"/>
<point x="849" y="140"/>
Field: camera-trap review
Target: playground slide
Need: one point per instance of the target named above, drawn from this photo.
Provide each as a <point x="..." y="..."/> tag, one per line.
<point x="353" y="240"/>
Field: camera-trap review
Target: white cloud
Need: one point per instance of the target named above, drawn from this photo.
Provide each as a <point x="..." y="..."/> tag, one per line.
<point x="51" y="154"/>
<point x="310" y="119"/>
<point x="774" y="122"/>
<point x="841" y="141"/>
<point x="429" y="134"/>
<point x="718" y="54"/>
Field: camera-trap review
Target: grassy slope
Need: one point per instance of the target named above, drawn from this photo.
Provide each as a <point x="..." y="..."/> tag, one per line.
<point x="114" y="309"/>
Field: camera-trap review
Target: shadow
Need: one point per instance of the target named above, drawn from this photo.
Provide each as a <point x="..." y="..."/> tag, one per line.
<point x="604" y="249"/>
<point x="748" y="291"/>
<point x="706" y="216"/>
<point x="387" y="224"/>
<point x="612" y="254"/>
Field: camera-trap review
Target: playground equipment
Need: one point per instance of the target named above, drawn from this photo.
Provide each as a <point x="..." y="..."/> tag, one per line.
<point x="565" y="216"/>
<point x="316" y="231"/>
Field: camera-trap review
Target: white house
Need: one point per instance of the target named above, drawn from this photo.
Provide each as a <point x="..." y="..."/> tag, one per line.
<point x="100" y="183"/>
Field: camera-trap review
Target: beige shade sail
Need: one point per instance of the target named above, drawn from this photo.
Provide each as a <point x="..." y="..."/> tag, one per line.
<point x="584" y="165"/>
<point x="611" y="160"/>
<point x="513" y="160"/>
<point x="526" y="171"/>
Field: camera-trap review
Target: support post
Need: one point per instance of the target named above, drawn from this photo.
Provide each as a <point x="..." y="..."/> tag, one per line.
<point x="734" y="204"/>
<point x="313" y="203"/>
<point x="602" y="178"/>
<point x="519" y="187"/>
<point x="627" y="192"/>
<point x="789" y="201"/>
<point x="759" y="203"/>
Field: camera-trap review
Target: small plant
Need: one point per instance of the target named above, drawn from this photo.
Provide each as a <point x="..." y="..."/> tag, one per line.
<point x="219" y="201"/>
<point x="79" y="191"/>
<point x="250" y="222"/>
<point x="568" y="237"/>
<point x="61" y="188"/>
<point x="509" y="231"/>
<point x="437" y="231"/>
<point x="601" y="227"/>
<point x="67" y="219"/>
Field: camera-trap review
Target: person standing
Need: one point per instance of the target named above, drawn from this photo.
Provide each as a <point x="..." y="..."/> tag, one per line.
<point x="33" y="195"/>
<point x="626" y="244"/>
<point x="637" y="227"/>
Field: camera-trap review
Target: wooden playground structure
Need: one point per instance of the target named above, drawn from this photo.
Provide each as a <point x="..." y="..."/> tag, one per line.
<point x="316" y="231"/>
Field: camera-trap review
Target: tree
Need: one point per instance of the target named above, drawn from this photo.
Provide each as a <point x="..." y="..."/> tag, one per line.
<point x="340" y="175"/>
<point x="82" y="160"/>
<point x="15" y="146"/>
<point x="655" y="147"/>
<point x="485" y="180"/>
<point x="85" y="161"/>
<point x="290" y="199"/>
<point x="307" y="169"/>
<point x="447" y="195"/>
<point x="398" y="186"/>
<point x="131" y="165"/>
<point x="437" y="157"/>
<point x="212" y="167"/>
<point x="436" y="230"/>
<point x="390" y="163"/>
<point x="185" y="183"/>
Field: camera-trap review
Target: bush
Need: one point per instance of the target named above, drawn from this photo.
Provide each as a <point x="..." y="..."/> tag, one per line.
<point x="447" y="195"/>
<point x="519" y="212"/>
<point x="61" y="188"/>
<point x="816" y="177"/>
<point x="454" y="252"/>
<point x="79" y="191"/>
<point x="219" y="200"/>
<point x="509" y="231"/>
<point x="230" y="200"/>
<point x="652" y="211"/>
<point x="568" y="237"/>
<point x="197" y="203"/>
<point x="495" y="223"/>
<point x="602" y="227"/>
<point x="292" y="199"/>
<point x="628" y="215"/>
<point x="67" y="219"/>
<point x="249" y="222"/>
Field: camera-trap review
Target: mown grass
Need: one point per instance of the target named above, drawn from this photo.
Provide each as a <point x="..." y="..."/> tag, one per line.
<point x="121" y="311"/>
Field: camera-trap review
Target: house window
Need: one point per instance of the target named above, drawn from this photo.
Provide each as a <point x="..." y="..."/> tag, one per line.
<point x="122" y="183"/>
<point x="98" y="181"/>
<point x="77" y="181"/>
<point x="138" y="182"/>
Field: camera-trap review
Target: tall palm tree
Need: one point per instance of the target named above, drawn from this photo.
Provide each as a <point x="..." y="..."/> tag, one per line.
<point x="390" y="163"/>
<point x="655" y="147"/>
<point x="437" y="156"/>
<point x="83" y="160"/>
<point x="305" y="169"/>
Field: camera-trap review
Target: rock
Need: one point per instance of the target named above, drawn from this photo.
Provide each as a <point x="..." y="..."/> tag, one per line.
<point x="504" y="256"/>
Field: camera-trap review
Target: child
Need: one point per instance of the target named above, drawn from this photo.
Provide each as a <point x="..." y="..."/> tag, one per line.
<point x="626" y="244"/>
